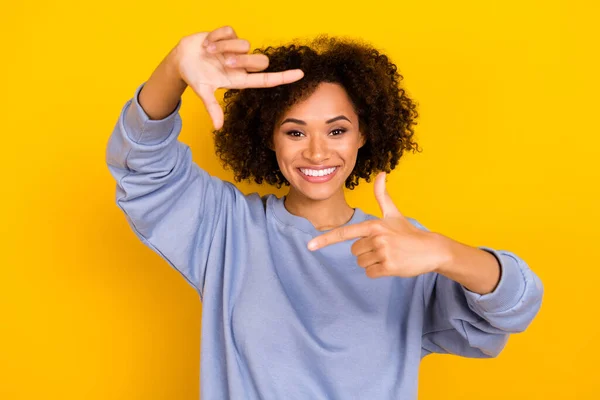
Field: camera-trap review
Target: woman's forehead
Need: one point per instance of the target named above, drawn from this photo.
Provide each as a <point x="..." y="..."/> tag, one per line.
<point x="327" y="101"/>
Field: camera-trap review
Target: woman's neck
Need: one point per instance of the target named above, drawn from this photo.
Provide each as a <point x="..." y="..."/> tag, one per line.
<point x="323" y="214"/>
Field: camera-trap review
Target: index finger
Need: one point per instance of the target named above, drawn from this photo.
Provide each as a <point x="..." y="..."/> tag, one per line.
<point x="341" y="234"/>
<point x="270" y="79"/>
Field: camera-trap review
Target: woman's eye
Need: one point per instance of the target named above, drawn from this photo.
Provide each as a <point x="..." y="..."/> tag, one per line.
<point x="337" y="132"/>
<point x="295" y="133"/>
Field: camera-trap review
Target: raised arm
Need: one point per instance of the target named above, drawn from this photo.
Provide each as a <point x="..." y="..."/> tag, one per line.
<point x="172" y="204"/>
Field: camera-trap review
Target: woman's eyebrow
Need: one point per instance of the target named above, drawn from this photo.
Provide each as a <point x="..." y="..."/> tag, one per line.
<point x="329" y="121"/>
<point x="339" y="117"/>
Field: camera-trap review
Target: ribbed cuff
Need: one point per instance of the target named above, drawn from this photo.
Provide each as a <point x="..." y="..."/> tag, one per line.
<point x="143" y="130"/>
<point x="510" y="289"/>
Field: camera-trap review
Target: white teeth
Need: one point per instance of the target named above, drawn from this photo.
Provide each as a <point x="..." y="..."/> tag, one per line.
<point x="317" y="172"/>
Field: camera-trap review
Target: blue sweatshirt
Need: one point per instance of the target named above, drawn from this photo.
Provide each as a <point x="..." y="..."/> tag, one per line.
<point x="280" y="321"/>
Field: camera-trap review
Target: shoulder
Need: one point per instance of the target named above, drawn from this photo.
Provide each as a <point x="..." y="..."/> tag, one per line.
<point x="234" y="201"/>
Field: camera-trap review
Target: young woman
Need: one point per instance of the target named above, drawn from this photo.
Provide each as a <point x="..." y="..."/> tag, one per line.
<point x="303" y="296"/>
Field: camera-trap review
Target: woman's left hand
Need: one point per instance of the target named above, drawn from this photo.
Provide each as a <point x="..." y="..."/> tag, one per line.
<point x="392" y="245"/>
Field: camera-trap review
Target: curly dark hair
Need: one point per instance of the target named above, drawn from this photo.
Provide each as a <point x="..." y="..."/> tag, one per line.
<point x="386" y="114"/>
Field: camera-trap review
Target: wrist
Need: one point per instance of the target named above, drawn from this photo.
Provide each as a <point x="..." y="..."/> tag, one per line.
<point x="445" y="248"/>
<point x="162" y="92"/>
<point x="172" y="71"/>
<point x="475" y="269"/>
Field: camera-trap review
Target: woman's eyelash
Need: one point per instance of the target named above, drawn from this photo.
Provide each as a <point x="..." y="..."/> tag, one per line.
<point x="298" y="133"/>
<point x="341" y="130"/>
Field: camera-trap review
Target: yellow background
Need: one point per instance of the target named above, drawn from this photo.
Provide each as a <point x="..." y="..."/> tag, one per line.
<point x="508" y="100"/>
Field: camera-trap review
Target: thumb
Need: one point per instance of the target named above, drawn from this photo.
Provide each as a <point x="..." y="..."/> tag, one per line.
<point x="215" y="111"/>
<point x="388" y="208"/>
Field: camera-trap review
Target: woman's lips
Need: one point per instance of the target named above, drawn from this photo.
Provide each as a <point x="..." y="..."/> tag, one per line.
<point x="318" y="179"/>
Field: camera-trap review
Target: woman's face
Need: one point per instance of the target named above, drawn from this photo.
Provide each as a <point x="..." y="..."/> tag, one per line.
<point x="316" y="142"/>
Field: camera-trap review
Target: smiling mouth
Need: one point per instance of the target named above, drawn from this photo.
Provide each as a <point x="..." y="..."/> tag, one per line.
<point x="318" y="172"/>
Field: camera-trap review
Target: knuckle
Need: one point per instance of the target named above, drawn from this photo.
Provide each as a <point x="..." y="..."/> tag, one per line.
<point x="374" y="226"/>
<point x="379" y="241"/>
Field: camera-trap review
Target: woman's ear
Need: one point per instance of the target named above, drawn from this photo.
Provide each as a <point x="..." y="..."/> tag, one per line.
<point x="271" y="140"/>
<point x="270" y="144"/>
<point x="363" y="139"/>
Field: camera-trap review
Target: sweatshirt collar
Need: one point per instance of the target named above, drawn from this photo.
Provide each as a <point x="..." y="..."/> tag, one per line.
<point x="294" y="221"/>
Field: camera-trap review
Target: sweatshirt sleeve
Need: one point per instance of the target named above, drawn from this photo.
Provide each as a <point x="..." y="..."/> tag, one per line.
<point x="458" y="321"/>
<point x="168" y="200"/>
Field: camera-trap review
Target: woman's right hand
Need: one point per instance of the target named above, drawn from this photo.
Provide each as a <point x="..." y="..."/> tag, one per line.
<point x="207" y="61"/>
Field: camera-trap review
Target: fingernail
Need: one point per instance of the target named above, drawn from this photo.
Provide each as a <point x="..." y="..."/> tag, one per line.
<point x="212" y="48"/>
<point x="312" y="245"/>
<point x="230" y="61"/>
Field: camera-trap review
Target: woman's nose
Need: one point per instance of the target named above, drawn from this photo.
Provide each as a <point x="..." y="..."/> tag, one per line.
<point x="316" y="150"/>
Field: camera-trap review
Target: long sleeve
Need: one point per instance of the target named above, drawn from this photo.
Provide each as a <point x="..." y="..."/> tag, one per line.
<point x="168" y="200"/>
<point x="461" y="322"/>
